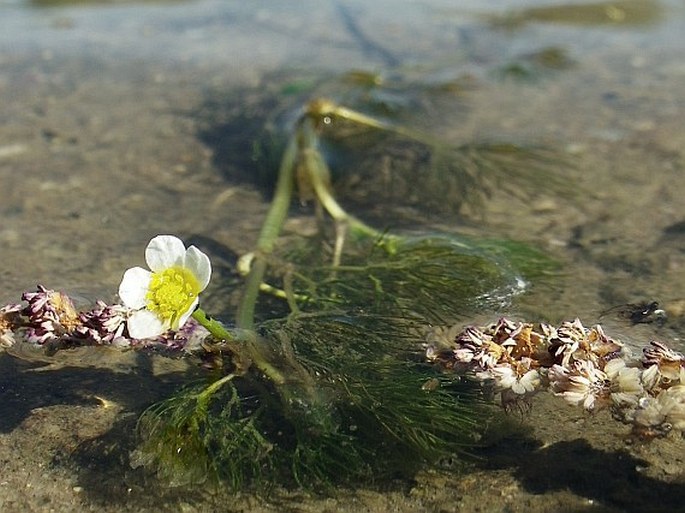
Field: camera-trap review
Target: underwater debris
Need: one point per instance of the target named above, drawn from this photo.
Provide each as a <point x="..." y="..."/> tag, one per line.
<point x="582" y="365"/>
<point x="644" y="312"/>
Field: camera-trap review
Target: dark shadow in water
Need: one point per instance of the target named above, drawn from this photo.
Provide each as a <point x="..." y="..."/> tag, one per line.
<point x="102" y="463"/>
<point x="608" y="478"/>
<point x="104" y="471"/>
<point x="246" y="149"/>
<point x="24" y="388"/>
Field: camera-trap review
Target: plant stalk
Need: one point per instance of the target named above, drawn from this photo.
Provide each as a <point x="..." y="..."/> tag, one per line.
<point x="273" y="223"/>
<point x="318" y="172"/>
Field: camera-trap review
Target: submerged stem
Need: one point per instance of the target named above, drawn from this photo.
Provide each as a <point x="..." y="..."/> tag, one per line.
<point x="204" y="396"/>
<point x="217" y="330"/>
<point x="273" y="223"/>
<point x="252" y="345"/>
<point x="317" y="171"/>
<point x="323" y="107"/>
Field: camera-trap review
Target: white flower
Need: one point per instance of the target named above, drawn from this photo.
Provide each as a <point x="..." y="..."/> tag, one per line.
<point x="663" y="366"/>
<point x="527" y="383"/>
<point x="647" y="417"/>
<point x="164" y="297"/>
<point x="672" y="403"/>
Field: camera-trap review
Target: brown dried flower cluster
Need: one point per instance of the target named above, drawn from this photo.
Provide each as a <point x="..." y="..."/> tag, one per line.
<point x="50" y="319"/>
<point x="582" y="365"/>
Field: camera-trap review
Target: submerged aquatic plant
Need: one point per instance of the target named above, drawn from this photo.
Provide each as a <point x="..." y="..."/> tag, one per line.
<point x="344" y="380"/>
<point x="361" y="413"/>
<point x="362" y="129"/>
<point x="335" y="389"/>
<point x="333" y="385"/>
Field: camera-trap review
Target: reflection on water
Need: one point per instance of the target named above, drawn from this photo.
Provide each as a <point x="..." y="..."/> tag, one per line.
<point x="123" y="121"/>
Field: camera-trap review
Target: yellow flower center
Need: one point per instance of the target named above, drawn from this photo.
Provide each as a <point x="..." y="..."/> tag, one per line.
<point x="172" y="293"/>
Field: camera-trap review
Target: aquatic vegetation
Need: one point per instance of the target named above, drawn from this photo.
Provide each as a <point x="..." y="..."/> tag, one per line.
<point x="322" y="376"/>
<point x="330" y="386"/>
<point x="374" y="160"/>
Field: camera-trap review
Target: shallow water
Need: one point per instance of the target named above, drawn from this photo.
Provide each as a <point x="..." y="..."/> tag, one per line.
<point x="113" y="115"/>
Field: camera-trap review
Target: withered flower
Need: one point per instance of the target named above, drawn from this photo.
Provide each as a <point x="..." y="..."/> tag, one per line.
<point x="582" y="383"/>
<point x="9" y="321"/>
<point x="50" y="315"/>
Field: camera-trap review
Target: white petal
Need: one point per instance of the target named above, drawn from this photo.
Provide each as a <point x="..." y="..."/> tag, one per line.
<point x="589" y="403"/>
<point x="164" y="251"/>
<point x="183" y="318"/>
<point x="198" y="263"/>
<point x="134" y="286"/>
<point x="651" y="377"/>
<point x="145" y="324"/>
<point x="628" y="380"/>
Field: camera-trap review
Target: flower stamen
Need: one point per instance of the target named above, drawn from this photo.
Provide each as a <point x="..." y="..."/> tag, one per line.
<point x="172" y="292"/>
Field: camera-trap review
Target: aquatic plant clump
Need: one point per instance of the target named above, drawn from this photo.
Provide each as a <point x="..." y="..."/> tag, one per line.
<point x="431" y="278"/>
<point x="582" y="365"/>
<point x="338" y="397"/>
<point x="353" y="405"/>
<point x="332" y="386"/>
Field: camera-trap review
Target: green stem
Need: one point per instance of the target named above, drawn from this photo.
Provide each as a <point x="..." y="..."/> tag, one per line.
<point x="204" y="396"/>
<point x="318" y="172"/>
<point x="273" y="223"/>
<point x="251" y="343"/>
<point x="214" y="327"/>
